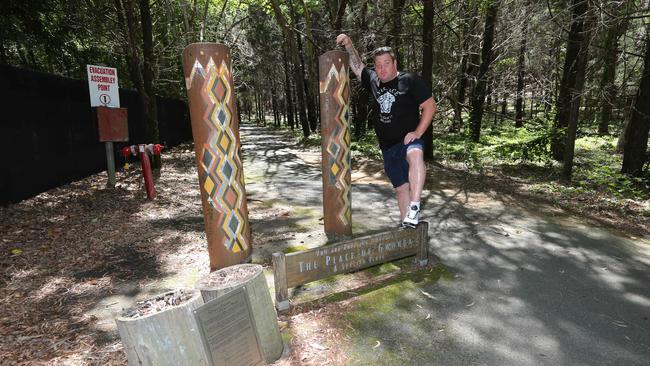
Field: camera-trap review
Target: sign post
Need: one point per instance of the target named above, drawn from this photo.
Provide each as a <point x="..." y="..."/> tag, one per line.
<point x="335" y="145"/>
<point x="105" y="92"/>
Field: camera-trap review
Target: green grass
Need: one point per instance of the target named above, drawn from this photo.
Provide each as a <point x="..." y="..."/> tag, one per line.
<point x="525" y="153"/>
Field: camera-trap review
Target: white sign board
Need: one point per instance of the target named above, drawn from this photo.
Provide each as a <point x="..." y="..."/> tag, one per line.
<point x="103" y="87"/>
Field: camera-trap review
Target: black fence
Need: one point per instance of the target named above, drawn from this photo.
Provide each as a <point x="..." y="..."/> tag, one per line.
<point x="48" y="136"/>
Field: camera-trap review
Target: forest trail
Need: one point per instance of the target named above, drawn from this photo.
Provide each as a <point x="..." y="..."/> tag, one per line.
<point x="531" y="285"/>
<point x="513" y="282"/>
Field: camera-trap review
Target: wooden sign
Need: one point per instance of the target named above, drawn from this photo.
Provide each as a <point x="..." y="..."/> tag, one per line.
<point x="227" y="330"/>
<point x="314" y="264"/>
<point x="112" y="124"/>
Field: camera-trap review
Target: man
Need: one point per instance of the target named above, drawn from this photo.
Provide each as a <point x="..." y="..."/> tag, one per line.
<point x="399" y="125"/>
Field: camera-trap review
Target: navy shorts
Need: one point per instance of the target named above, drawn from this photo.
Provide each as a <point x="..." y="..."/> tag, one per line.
<point x="395" y="163"/>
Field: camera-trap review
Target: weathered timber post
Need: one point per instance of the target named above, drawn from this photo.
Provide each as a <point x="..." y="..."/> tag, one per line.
<point x="251" y="277"/>
<point x="215" y="128"/>
<point x="335" y="136"/>
<point x="162" y="331"/>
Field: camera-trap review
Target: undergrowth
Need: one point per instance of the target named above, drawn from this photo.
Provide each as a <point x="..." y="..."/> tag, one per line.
<point x="524" y="154"/>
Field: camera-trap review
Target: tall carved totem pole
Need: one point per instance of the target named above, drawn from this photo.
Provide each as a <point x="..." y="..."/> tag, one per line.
<point x="335" y="143"/>
<point x="211" y="94"/>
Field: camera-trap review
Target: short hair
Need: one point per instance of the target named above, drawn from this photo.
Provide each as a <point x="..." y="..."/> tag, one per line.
<point x="383" y="51"/>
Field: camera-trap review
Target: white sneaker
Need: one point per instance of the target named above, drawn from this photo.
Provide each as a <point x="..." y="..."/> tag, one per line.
<point x="412" y="217"/>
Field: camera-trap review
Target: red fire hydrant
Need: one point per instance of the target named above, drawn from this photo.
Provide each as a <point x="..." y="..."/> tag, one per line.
<point x="144" y="150"/>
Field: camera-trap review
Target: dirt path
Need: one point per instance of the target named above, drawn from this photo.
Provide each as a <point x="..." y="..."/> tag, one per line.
<point x="515" y="285"/>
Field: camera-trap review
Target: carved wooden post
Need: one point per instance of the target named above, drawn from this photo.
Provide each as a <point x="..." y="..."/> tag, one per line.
<point x="335" y="145"/>
<point x="215" y="128"/>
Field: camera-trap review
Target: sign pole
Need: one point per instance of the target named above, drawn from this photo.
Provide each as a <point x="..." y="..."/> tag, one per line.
<point x="104" y="92"/>
<point x="110" y="164"/>
<point x="335" y="143"/>
<point x="215" y="128"/>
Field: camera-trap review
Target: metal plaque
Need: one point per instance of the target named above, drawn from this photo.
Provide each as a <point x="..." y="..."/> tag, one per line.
<point x="228" y="332"/>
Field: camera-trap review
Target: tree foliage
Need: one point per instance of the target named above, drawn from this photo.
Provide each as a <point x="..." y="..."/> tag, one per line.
<point x="530" y="53"/>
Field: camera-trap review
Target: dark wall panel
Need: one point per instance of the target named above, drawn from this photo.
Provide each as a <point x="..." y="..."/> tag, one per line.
<point x="48" y="136"/>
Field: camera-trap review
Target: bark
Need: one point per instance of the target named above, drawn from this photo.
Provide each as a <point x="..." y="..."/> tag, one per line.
<point x="149" y="96"/>
<point x="312" y="58"/>
<point x="427" y="67"/>
<point x="129" y="47"/>
<point x="186" y="21"/>
<point x="504" y="106"/>
<point x="288" y="94"/>
<point x="519" y="108"/>
<point x="309" y="96"/>
<point x="607" y="82"/>
<point x="636" y="134"/>
<point x="336" y="11"/>
<point x="463" y="77"/>
<point x="395" y="37"/>
<point x="362" y="122"/>
<point x="568" y="91"/>
<point x="204" y="19"/>
<point x="274" y="104"/>
<point x="581" y="39"/>
<point x="298" y="80"/>
<point x="478" y="97"/>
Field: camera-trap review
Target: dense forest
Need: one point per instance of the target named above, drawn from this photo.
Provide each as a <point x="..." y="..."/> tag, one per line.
<point x="526" y="79"/>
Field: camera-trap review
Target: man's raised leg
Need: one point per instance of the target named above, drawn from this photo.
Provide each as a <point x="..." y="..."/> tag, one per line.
<point x="417" y="174"/>
<point x="403" y="196"/>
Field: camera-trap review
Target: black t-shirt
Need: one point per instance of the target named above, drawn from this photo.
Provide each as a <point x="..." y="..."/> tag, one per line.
<point x="397" y="104"/>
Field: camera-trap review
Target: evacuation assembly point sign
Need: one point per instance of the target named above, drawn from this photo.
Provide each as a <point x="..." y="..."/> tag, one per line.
<point x="103" y="87"/>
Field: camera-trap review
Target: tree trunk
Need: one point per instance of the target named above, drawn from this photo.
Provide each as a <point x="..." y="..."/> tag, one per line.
<point x="298" y="80"/>
<point x="131" y="52"/>
<point x="395" y="36"/>
<point x="636" y="134"/>
<point x="581" y="39"/>
<point x="504" y="106"/>
<point x="607" y="86"/>
<point x="309" y="97"/>
<point x="478" y="97"/>
<point x="288" y="94"/>
<point x="427" y="67"/>
<point x="463" y="68"/>
<point x="312" y="60"/>
<point x="519" y="108"/>
<point x="147" y="339"/>
<point x="363" y="94"/>
<point x="336" y="11"/>
<point x="568" y="91"/>
<point x="152" y="134"/>
<point x="250" y="276"/>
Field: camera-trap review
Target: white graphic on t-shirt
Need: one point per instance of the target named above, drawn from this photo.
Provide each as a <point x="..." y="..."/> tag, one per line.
<point x="386" y="102"/>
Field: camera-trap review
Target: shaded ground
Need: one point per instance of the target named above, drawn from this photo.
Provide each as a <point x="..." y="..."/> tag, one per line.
<point x="518" y="281"/>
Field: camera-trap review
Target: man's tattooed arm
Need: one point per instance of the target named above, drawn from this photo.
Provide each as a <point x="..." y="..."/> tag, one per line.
<point x="355" y="60"/>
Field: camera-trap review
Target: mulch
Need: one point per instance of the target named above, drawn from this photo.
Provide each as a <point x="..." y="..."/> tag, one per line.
<point x="64" y="250"/>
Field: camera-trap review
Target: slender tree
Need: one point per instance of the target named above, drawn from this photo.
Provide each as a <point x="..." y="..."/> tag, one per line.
<point x="395" y="36"/>
<point x="611" y="51"/>
<point x="427" y="66"/>
<point x="569" y="96"/>
<point x="635" y="153"/>
<point x="578" y="38"/>
<point x="521" y="67"/>
<point x="478" y="97"/>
